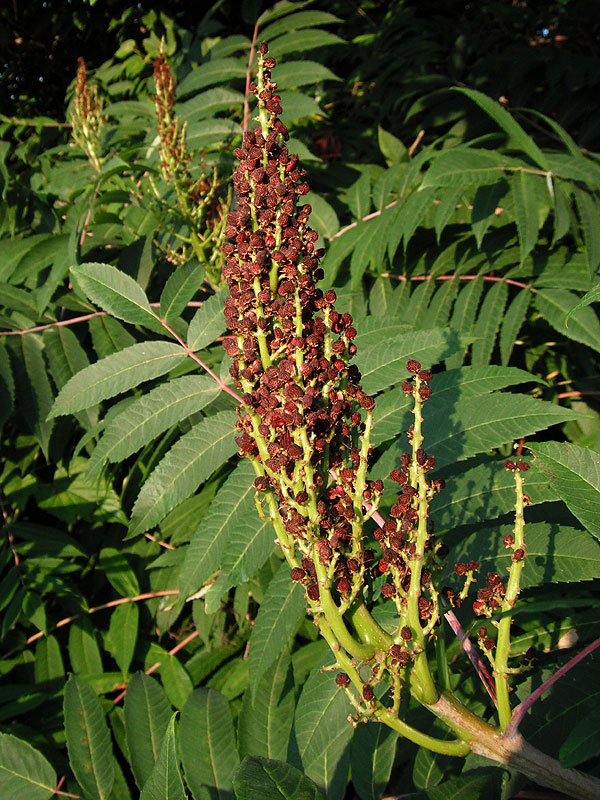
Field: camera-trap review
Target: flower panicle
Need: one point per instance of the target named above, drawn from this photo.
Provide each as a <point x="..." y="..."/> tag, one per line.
<point x="305" y="416"/>
<point x="87" y="119"/>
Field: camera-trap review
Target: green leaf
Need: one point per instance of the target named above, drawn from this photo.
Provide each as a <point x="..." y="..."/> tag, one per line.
<point x="217" y="70"/>
<point x="292" y="74"/>
<point x="181" y="287"/>
<point x="267" y="714"/>
<point x="249" y="545"/>
<point x="84" y="653"/>
<point x="323" y="217"/>
<point x="206" y="132"/>
<point x="186" y="465"/>
<point x="474" y="427"/>
<point x="272" y="780"/>
<point x="232" y="506"/>
<point x="488" y="321"/>
<point x="23" y="771"/>
<point x="447" y="207"/>
<point x="207" y="323"/>
<point x="372" y="759"/>
<point x="122" y="634"/>
<point x="116" y="374"/>
<point x="483" y="493"/>
<point x="464" y="787"/>
<point x="88" y="740"/>
<point x="115" y="292"/>
<point x="391" y="147"/>
<point x="470" y="427"/>
<point x="278" y="617"/>
<point x="164" y="782"/>
<point x="512" y="323"/>
<point x="508" y="124"/>
<point x="207" y="104"/>
<point x="574" y="474"/>
<point x="555" y="553"/>
<point x="589" y="212"/>
<point x="146" y="417"/>
<point x="384" y="363"/>
<point x="48" y="663"/>
<point x="588" y="298"/>
<point x="117" y="569"/>
<point x="297" y="21"/>
<point x="36" y="396"/>
<point x="461" y="166"/>
<point x="485" y="203"/>
<point x="207" y="743"/>
<point x="526" y="213"/>
<point x="323" y="733"/>
<point x="297" y="105"/>
<point x="147" y="715"/>
<point x="555" y="304"/>
<point x="301" y="41"/>
<point x="582" y="742"/>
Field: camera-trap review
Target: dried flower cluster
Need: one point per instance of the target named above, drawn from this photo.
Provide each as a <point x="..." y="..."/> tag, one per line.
<point x="306" y="416"/>
<point x="87" y="119"/>
<point x="199" y="199"/>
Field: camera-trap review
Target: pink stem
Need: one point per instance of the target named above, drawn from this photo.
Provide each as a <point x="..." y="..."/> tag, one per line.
<point x="520" y="711"/>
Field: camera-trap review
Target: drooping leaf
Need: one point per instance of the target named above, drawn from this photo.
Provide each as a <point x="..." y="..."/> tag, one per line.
<point x="119" y="572"/>
<point x="208" y="750"/>
<point x="278" y="617"/>
<point x="588" y="209"/>
<point x="573" y="472"/>
<point x="501" y="116"/>
<point x="185" y="466"/>
<point x="23" y="771"/>
<point x="526" y="213"/>
<point x="372" y="759"/>
<point x="122" y="634"/>
<point x="323" y="733"/>
<point x="272" y="780"/>
<point x="164" y="782"/>
<point x="35" y="392"/>
<point x="512" y="323"/>
<point x="147" y="715"/>
<point x="555" y="304"/>
<point x="267" y="714"/>
<point x="84" y="653"/>
<point x="115" y="292"/>
<point x="488" y="323"/>
<point x="116" y="374"/>
<point x="88" y="740"/>
<point x="588" y="298"/>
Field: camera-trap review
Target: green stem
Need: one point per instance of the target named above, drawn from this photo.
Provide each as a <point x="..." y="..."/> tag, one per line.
<point x="449" y="748"/>
<point x="421" y="666"/>
<point x="512" y="592"/>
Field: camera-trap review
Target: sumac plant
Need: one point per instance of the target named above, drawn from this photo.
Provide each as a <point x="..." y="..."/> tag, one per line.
<point x="274" y="527"/>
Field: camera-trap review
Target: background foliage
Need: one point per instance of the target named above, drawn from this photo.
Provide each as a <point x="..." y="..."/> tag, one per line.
<point x="460" y="230"/>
